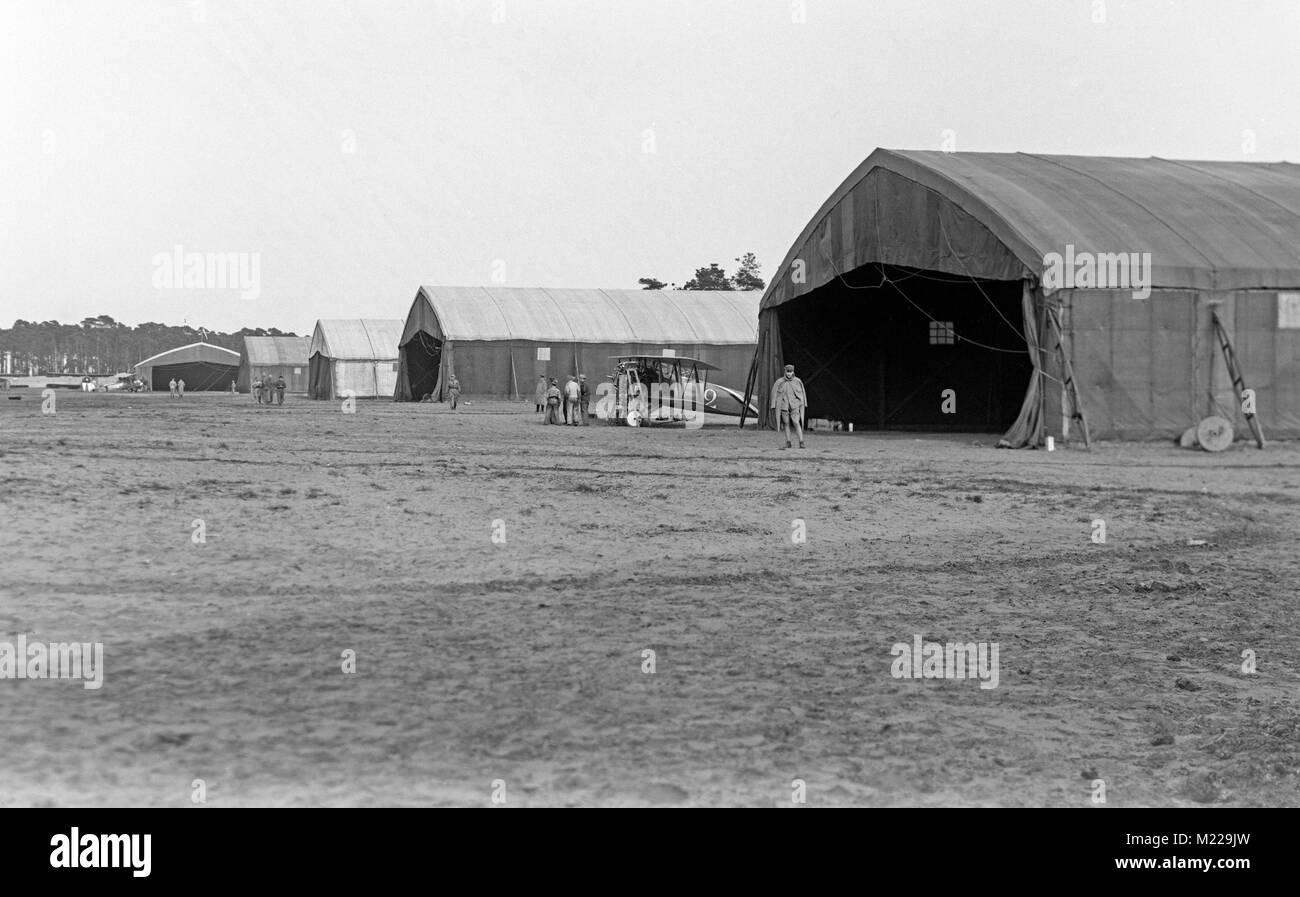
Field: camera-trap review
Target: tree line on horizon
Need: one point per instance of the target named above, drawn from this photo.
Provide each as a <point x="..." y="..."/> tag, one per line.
<point x="101" y="345"/>
<point x="714" y="277"/>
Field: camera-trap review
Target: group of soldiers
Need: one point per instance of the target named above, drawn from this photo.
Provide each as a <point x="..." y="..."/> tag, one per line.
<point x="789" y="401"/>
<point x="573" y="401"/>
<point x="272" y="387"/>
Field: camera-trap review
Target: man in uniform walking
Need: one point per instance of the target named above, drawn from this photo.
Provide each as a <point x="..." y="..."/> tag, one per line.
<point x="171" y="388"/>
<point x="257" y="388"/>
<point x="789" y="401"/>
<point x="279" y="389"/>
<point x="180" y="389"/>
<point x="453" y="392"/>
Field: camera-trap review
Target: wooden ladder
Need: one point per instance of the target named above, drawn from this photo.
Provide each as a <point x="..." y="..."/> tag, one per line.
<point x="1067" y="371"/>
<point x="1234" y="371"/>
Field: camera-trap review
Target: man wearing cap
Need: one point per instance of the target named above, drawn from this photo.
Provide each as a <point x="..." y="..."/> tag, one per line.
<point x="453" y="392"/>
<point x="789" y="401"/>
<point x="552" y="403"/>
<point x="584" y="398"/>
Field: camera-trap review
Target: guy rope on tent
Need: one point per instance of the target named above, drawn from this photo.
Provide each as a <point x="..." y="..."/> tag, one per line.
<point x="1234" y="371"/>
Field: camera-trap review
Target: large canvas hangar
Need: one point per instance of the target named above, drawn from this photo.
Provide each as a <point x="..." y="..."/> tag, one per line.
<point x="923" y="295"/>
<point x="203" y="366"/>
<point x="500" y="340"/>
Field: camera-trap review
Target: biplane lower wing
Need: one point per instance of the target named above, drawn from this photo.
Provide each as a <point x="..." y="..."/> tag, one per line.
<point x="726" y="401"/>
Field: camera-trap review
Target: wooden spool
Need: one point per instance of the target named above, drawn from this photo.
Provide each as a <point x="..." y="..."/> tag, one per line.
<point x="1214" y="434"/>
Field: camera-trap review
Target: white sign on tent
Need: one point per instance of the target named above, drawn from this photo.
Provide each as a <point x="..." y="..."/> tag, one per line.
<point x="1288" y="311"/>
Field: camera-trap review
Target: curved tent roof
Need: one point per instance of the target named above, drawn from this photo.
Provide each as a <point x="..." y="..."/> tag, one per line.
<point x="356" y="338"/>
<point x="711" y="317"/>
<point x="271" y="351"/>
<point x="1207" y="225"/>
<point x="194" y="352"/>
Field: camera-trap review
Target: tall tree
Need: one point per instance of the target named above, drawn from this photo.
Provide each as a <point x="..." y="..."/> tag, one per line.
<point x="747" y="275"/>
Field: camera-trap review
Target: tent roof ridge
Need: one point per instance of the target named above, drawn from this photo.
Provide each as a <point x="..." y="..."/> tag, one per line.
<point x="1173" y="230"/>
<point x="186" y="346"/>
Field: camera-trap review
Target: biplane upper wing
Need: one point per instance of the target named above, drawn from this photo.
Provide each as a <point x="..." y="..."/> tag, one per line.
<point x="675" y="359"/>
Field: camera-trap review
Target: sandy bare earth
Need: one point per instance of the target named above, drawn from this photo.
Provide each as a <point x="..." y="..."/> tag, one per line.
<point x="522" y="662"/>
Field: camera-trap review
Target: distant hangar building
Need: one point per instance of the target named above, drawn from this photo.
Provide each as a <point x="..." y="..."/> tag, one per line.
<point x="274" y="357"/>
<point x="929" y="276"/>
<point x="202" y="366"/>
<point x="499" y="340"/>
<point x="357" y="354"/>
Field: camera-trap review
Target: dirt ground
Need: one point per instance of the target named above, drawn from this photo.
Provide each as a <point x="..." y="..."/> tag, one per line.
<point x="522" y="661"/>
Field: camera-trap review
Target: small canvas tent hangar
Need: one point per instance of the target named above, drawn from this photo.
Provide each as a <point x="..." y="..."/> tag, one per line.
<point x="275" y="356"/>
<point x="923" y="295"/>
<point x="358" y="354"/>
<point x="499" y="340"/>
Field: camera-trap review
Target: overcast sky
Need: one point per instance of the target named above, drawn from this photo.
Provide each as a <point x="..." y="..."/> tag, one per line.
<point x="363" y="148"/>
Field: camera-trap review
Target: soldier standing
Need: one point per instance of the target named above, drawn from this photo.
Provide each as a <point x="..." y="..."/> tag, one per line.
<point x="584" y="399"/>
<point x="789" y="401"/>
<point x="553" y="403"/>
<point x="539" y="395"/>
<point x="279" y="389"/>
<point x="571" y="396"/>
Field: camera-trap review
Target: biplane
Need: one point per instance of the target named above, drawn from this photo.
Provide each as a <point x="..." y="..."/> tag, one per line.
<point x="663" y="389"/>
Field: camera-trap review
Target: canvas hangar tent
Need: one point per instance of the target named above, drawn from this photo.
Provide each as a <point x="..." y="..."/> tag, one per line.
<point x="203" y="367"/>
<point x="929" y="271"/>
<point x="357" y="354"/>
<point x="499" y="340"/>
<point x="275" y="356"/>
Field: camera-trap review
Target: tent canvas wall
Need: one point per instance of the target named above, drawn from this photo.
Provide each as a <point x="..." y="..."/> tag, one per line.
<point x="275" y="356"/>
<point x="500" y="340"/>
<point x="1155" y="368"/>
<point x="926" y="272"/>
<point x="203" y="367"/>
<point x="357" y="354"/>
